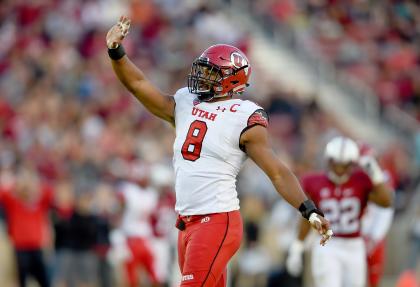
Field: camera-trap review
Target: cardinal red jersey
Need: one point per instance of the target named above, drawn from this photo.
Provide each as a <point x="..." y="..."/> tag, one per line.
<point x="343" y="204"/>
<point x="27" y="222"/>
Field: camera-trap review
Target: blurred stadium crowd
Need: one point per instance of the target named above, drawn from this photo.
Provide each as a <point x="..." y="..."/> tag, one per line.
<point x="67" y="123"/>
<point x="375" y="42"/>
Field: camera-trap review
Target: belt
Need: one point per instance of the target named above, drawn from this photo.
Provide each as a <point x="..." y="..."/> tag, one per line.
<point x="191" y="218"/>
<point x="183" y="219"/>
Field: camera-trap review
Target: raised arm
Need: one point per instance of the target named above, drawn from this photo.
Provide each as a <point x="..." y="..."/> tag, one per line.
<point x="133" y="78"/>
<point x="381" y="193"/>
<point x="255" y="142"/>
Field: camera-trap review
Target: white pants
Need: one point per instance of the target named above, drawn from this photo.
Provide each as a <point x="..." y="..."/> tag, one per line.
<point x="162" y="254"/>
<point x="340" y="263"/>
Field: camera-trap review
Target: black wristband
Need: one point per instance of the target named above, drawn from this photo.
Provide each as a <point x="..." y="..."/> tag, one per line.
<point x="308" y="207"/>
<point x="117" y="53"/>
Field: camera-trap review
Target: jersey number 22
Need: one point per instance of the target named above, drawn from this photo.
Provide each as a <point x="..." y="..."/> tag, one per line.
<point x="343" y="214"/>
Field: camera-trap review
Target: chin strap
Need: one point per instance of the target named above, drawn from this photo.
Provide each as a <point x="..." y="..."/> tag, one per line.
<point x="215" y="96"/>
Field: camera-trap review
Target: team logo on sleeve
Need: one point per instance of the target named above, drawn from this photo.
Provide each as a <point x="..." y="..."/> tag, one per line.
<point x="259" y="117"/>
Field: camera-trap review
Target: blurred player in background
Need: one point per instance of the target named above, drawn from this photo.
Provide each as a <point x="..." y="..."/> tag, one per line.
<point x="375" y="225"/>
<point x="26" y="202"/>
<point x="215" y="134"/>
<point x="163" y="220"/>
<point x="342" y="193"/>
<point x="131" y="241"/>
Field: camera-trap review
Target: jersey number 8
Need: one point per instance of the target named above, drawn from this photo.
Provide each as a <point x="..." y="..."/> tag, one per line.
<point x="191" y="149"/>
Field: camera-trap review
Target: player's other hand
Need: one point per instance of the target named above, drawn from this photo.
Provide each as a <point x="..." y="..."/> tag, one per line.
<point x="117" y="33"/>
<point x="371" y="166"/>
<point x="322" y="226"/>
<point x="294" y="261"/>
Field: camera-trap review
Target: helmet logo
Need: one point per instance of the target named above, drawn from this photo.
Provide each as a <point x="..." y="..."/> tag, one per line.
<point x="238" y="60"/>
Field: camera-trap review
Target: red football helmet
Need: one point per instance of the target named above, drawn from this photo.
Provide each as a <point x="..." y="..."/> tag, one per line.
<point x="221" y="70"/>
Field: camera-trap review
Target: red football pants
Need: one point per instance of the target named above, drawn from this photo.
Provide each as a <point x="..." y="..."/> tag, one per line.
<point x="141" y="256"/>
<point x="376" y="264"/>
<point x="206" y="246"/>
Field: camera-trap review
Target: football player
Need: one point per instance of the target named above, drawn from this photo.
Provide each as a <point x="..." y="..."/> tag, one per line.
<point x="132" y="241"/>
<point x="342" y="193"/>
<point x="215" y="134"/>
<point x="375" y="223"/>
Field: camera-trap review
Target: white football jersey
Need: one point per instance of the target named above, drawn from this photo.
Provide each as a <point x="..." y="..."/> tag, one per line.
<point x="207" y="156"/>
<point x="139" y="205"/>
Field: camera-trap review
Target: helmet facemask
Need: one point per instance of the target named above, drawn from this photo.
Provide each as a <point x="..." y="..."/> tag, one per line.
<point x="339" y="172"/>
<point x="205" y="80"/>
